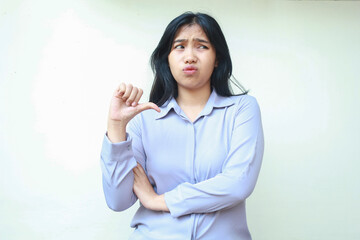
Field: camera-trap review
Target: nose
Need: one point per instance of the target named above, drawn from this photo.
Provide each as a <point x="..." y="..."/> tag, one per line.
<point x="190" y="56"/>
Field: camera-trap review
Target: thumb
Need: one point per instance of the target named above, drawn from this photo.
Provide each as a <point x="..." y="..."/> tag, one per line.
<point x="145" y="106"/>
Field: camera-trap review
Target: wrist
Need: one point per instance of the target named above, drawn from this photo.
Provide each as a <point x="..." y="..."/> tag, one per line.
<point x="117" y="123"/>
<point x="116" y="131"/>
<point x="159" y="204"/>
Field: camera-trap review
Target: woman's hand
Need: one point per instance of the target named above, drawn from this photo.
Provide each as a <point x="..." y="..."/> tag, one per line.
<point x="125" y="103"/>
<point x="145" y="192"/>
<point x="124" y="106"/>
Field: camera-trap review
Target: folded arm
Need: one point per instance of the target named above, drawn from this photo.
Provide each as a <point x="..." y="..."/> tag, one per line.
<point x="239" y="173"/>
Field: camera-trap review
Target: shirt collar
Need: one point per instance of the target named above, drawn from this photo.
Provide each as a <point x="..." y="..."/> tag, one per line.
<point x="167" y="106"/>
<point x="214" y="101"/>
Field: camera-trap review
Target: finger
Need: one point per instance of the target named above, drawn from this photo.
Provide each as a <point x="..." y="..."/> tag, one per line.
<point x="120" y="90"/>
<point x="137" y="98"/>
<point x="127" y="93"/>
<point x="135" y="179"/>
<point x="136" y="170"/>
<point x="140" y="169"/>
<point x="132" y="96"/>
<point x="146" y="106"/>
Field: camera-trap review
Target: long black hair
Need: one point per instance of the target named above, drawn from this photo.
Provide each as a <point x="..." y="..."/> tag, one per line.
<point x="164" y="85"/>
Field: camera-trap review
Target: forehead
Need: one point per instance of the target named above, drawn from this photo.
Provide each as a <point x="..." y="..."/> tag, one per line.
<point x="190" y="31"/>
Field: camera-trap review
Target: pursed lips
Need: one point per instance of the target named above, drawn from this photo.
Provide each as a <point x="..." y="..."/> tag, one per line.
<point x="190" y="70"/>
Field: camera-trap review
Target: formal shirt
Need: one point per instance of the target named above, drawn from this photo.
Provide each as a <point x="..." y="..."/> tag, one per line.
<point x="206" y="168"/>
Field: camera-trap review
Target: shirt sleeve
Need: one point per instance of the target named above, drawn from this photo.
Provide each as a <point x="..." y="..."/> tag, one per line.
<point x="117" y="161"/>
<point x="239" y="173"/>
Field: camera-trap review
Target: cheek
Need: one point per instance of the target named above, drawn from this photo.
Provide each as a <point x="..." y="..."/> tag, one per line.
<point x="173" y="70"/>
<point x="173" y="64"/>
<point x="171" y="61"/>
<point x="211" y="65"/>
<point x="211" y="62"/>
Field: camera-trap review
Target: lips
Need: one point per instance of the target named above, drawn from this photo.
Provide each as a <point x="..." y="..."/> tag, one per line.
<point x="190" y="70"/>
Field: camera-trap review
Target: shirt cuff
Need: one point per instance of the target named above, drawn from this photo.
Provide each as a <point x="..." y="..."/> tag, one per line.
<point x="174" y="202"/>
<point x="121" y="151"/>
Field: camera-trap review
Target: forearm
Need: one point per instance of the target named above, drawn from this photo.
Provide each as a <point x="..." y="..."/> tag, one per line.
<point x="218" y="193"/>
<point x="119" y="196"/>
<point x="145" y="191"/>
<point x="117" y="162"/>
<point x="116" y="131"/>
<point x="157" y="203"/>
<point x="161" y="204"/>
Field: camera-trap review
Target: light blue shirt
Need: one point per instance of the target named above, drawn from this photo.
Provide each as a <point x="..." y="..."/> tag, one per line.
<point x="206" y="169"/>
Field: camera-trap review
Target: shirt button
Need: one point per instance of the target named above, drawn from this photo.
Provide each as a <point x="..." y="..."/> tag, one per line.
<point x="128" y="147"/>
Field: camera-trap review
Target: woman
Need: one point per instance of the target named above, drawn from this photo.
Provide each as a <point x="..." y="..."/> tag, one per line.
<point x="194" y="160"/>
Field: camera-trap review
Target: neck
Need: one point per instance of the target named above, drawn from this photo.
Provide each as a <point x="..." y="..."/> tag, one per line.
<point x="195" y="98"/>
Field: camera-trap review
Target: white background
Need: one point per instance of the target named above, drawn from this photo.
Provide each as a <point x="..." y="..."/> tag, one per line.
<point x="61" y="60"/>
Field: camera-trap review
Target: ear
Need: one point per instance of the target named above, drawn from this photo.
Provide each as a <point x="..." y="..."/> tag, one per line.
<point x="216" y="63"/>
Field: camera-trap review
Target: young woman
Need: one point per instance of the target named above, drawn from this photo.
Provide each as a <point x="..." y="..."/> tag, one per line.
<point x="194" y="158"/>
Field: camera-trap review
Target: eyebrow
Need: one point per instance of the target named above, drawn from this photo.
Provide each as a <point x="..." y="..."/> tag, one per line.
<point x="196" y="39"/>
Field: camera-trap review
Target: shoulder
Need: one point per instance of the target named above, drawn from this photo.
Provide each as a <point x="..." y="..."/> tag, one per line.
<point x="245" y="101"/>
<point x="246" y="108"/>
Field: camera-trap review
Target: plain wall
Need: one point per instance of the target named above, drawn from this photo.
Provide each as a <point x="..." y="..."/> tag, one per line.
<point x="61" y="60"/>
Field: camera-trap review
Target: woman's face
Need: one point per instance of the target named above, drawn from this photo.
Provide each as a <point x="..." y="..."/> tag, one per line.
<point x="192" y="58"/>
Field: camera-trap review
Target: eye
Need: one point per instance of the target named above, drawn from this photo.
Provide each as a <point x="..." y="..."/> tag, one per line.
<point x="179" y="47"/>
<point x="203" y="47"/>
